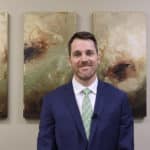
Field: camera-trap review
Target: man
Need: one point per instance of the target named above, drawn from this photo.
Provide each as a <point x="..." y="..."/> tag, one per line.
<point x="101" y="119"/>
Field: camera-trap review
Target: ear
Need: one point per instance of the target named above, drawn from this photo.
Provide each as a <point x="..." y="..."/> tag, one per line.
<point x="99" y="57"/>
<point x="69" y="61"/>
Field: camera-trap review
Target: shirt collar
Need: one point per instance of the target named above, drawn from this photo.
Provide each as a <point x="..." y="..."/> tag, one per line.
<point x="78" y="87"/>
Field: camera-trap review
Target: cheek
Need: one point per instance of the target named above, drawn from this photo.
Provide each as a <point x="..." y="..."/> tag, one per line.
<point x="96" y="61"/>
<point x="74" y="64"/>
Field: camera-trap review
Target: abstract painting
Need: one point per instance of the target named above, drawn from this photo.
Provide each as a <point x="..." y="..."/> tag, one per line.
<point x="3" y="64"/>
<point x="45" y="56"/>
<point x="122" y="45"/>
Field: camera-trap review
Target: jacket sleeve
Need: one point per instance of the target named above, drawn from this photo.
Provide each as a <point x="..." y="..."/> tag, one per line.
<point x="46" y="136"/>
<point x="126" y="136"/>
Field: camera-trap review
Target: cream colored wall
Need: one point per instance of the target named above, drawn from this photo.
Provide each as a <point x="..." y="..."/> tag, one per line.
<point x="16" y="133"/>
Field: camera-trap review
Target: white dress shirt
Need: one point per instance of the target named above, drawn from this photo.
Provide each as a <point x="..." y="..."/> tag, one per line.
<point x="78" y="88"/>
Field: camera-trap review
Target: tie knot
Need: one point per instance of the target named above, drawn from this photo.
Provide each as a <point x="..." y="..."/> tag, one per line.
<point x="86" y="91"/>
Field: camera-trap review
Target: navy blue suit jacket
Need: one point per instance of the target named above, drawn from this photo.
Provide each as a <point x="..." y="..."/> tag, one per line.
<point x="61" y="126"/>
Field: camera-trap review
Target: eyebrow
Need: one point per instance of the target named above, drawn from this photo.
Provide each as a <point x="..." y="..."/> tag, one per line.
<point x="86" y="50"/>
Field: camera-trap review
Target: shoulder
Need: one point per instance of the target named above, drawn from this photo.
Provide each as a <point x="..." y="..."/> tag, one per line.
<point x="54" y="97"/>
<point x="58" y="92"/>
<point x="111" y="91"/>
<point x="110" y="87"/>
<point x="114" y="96"/>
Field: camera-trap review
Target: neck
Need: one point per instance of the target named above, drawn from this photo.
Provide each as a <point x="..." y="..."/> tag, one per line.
<point x="86" y="82"/>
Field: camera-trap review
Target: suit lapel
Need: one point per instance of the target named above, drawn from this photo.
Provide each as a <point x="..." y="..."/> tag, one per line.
<point x="74" y="111"/>
<point x="98" y="109"/>
<point x="73" y="108"/>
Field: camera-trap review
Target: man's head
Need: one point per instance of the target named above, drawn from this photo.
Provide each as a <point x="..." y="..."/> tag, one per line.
<point x="84" y="35"/>
<point x="83" y="57"/>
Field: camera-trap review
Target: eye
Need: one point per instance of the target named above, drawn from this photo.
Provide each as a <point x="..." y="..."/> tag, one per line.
<point x="77" y="53"/>
<point x="90" y="52"/>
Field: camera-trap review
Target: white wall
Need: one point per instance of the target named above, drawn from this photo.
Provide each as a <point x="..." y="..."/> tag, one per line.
<point x="16" y="133"/>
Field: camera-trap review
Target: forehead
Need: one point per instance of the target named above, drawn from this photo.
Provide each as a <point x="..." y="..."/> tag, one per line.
<point x="80" y="44"/>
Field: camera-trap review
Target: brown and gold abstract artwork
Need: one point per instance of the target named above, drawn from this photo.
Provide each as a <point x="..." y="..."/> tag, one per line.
<point x="122" y="44"/>
<point x="45" y="56"/>
<point x="3" y="64"/>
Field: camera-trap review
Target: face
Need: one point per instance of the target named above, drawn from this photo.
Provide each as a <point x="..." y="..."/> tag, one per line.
<point x="84" y="60"/>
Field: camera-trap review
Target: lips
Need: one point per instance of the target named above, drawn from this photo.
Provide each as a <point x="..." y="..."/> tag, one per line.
<point x="85" y="68"/>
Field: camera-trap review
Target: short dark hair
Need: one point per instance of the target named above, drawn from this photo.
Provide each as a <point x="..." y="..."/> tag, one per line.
<point x="84" y="35"/>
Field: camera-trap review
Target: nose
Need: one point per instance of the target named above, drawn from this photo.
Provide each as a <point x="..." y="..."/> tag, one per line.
<point x="84" y="57"/>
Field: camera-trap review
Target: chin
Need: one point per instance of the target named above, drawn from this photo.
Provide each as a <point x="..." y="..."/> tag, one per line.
<point x="85" y="77"/>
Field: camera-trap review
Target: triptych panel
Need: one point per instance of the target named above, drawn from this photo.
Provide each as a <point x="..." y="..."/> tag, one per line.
<point x="122" y="43"/>
<point x="45" y="56"/>
<point x="3" y="64"/>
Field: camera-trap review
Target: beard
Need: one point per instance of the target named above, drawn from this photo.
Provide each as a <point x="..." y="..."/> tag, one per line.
<point x="87" y="75"/>
<point x="85" y="71"/>
<point x="86" y="78"/>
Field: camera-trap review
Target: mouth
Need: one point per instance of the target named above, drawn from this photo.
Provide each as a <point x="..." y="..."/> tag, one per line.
<point x="85" y="67"/>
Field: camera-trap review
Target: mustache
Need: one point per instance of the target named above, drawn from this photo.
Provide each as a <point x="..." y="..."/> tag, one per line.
<point x="85" y="63"/>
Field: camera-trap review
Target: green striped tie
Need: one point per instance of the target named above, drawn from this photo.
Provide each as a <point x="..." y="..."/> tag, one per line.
<point x="86" y="111"/>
